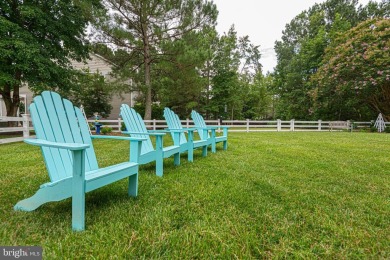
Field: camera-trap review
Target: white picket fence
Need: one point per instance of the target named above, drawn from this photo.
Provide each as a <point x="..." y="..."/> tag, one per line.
<point x="24" y="125"/>
<point x="250" y="125"/>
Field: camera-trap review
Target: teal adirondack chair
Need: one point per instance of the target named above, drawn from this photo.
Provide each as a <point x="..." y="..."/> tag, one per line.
<point x="200" y="124"/>
<point x="63" y="135"/>
<point x="136" y="128"/>
<point x="174" y="124"/>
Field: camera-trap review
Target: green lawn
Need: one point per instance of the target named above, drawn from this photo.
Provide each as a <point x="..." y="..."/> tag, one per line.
<point x="270" y="195"/>
<point x="4" y="136"/>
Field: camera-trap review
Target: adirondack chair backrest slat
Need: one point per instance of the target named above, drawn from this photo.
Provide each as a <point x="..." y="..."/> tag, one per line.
<point x="80" y="133"/>
<point x="135" y="123"/>
<point x="49" y="154"/>
<point x="173" y="122"/>
<point x="199" y="124"/>
<point x="54" y="119"/>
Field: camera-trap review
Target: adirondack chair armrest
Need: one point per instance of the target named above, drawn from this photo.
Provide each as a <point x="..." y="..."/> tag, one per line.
<point x="68" y="146"/>
<point x="208" y="128"/>
<point x="189" y="128"/>
<point x="217" y="126"/>
<point x="142" y="133"/>
<point x="174" y="130"/>
<point x="118" y="137"/>
<point x="159" y="131"/>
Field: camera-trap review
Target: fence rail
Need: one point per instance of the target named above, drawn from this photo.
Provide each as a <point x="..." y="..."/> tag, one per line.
<point x="24" y="125"/>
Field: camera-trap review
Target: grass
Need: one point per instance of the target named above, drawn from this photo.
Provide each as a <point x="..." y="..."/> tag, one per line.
<point x="270" y="195"/>
<point x="4" y="136"/>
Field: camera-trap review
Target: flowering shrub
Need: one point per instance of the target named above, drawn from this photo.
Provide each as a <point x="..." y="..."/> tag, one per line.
<point x="356" y="68"/>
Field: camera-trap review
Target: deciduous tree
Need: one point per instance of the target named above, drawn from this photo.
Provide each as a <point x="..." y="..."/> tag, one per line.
<point x="355" y="72"/>
<point x="37" y="41"/>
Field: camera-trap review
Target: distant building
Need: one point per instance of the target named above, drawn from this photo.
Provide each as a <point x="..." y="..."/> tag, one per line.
<point x="96" y="63"/>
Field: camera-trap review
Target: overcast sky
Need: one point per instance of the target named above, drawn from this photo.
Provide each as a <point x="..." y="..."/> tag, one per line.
<point x="262" y="20"/>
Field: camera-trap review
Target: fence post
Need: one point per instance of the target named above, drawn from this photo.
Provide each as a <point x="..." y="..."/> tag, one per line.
<point x="188" y="123"/>
<point x="219" y="126"/>
<point x="247" y="125"/>
<point x="119" y="124"/>
<point x="292" y="125"/>
<point x="26" y="125"/>
<point x="279" y="125"/>
<point x="319" y="125"/>
<point x="154" y="124"/>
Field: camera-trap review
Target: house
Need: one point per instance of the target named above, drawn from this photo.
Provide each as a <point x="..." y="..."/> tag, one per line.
<point x="96" y="63"/>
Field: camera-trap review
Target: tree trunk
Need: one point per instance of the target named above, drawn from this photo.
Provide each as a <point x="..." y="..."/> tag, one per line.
<point x="147" y="65"/>
<point x="380" y="102"/>
<point x="148" y="101"/>
<point x="208" y="88"/>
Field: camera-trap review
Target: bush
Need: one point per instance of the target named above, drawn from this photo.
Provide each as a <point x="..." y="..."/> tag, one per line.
<point x="123" y="127"/>
<point x="106" y="130"/>
<point x="157" y="111"/>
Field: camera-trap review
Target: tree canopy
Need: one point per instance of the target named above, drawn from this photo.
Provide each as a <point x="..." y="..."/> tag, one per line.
<point x="332" y="59"/>
<point x="355" y="71"/>
<point x="37" y="41"/>
<point x="142" y="29"/>
<point x="301" y="51"/>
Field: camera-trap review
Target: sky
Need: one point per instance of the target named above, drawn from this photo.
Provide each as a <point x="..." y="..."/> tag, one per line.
<point x="262" y="20"/>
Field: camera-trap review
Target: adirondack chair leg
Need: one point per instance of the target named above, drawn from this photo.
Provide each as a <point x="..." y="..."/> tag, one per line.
<point x="204" y="151"/>
<point x="176" y="159"/>
<point x="190" y="143"/>
<point x="133" y="185"/>
<point x="190" y="155"/>
<point x="78" y="197"/>
<point x="225" y="133"/>
<point x="177" y="142"/>
<point x="47" y="193"/>
<point x="135" y="151"/>
<point x="213" y="141"/>
<point x="159" y="166"/>
<point x="159" y="156"/>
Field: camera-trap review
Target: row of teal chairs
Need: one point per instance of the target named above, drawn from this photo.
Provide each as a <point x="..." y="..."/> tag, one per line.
<point x="66" y="144"/>
<point x="181" y="143"/>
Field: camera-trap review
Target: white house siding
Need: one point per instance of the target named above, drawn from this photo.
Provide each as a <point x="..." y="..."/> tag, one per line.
<point x="117" y="101"/>
<point x="95" y="64"/>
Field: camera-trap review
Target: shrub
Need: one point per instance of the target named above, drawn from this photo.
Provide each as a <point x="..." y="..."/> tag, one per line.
<point x="123" y="127"/>
<point x="106" y="130"/>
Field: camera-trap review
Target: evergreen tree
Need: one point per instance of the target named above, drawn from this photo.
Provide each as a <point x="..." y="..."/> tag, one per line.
<point x="140" y="29"/>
